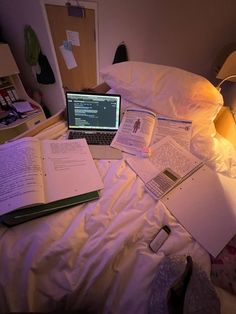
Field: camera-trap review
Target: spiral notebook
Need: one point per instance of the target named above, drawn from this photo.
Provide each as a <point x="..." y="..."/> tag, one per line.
<point x="205" y="205"/>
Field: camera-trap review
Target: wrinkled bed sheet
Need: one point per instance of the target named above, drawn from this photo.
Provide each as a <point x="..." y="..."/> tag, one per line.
<point x="96" y="256"/>
<point x="93" y="256"/>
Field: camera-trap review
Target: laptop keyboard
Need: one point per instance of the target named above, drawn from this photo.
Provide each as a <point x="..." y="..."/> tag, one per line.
<point x="93" y="138"/>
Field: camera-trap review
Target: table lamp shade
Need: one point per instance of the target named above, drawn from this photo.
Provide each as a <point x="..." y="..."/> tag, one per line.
<point x="228" y="69"/>
<point x="8" y="65"/>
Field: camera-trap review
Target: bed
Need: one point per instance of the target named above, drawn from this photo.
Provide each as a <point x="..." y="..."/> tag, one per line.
<point x="95" y="257"/>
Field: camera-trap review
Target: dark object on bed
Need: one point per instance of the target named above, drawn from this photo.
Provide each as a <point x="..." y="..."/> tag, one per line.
<point x="176" y="294"/>
<point x="181" y="286"/>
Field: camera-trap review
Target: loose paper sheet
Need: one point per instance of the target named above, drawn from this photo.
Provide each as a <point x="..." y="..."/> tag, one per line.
<point x="73" y="37"/>
<point x="205" y="205"/>
<point x="180" y="130"/>
<point x="68" y="57"/>
<point x="166" y="153"/>
<point x="22" y="106"/>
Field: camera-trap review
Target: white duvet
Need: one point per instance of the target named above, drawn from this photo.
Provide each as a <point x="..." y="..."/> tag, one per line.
<point x="95" y="257"/>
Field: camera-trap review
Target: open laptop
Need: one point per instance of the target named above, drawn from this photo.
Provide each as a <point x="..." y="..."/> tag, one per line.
<point x="95" y="117"/>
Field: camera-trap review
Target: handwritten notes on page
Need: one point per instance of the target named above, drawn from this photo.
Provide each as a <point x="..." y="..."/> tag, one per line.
<point x="166" y="153"/>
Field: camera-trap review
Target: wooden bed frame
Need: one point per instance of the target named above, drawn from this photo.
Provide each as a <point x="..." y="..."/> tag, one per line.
<point x="226" y="125"/>
<point x="224" y="122"/>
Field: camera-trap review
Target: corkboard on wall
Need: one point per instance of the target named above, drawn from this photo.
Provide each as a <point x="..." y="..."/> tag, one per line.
<point x="84" y="74"/>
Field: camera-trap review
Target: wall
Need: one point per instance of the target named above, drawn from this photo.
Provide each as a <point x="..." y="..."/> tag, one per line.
<point x="14" y="15"/>
<point x="188" y="34"/>
<point x="185" y="33"/>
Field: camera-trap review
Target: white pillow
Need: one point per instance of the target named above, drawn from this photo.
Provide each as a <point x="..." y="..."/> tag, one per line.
<point x="165" y="90"/>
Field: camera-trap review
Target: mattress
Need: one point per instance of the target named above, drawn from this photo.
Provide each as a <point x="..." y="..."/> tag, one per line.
<point x="95" y="257"/>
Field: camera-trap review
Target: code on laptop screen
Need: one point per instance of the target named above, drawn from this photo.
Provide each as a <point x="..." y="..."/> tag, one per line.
<point x="93" y="111"/>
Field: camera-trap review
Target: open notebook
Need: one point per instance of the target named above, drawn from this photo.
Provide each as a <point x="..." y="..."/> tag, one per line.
<point x="95" y="117"/>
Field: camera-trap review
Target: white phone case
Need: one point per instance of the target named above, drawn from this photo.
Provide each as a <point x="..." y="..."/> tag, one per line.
<point x="160" y="238"/>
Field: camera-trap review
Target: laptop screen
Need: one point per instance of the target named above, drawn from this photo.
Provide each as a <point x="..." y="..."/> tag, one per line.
<point x="90" y="111"/>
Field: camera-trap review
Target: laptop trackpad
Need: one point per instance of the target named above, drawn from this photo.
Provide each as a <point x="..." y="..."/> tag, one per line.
<point x="105" y="152"/>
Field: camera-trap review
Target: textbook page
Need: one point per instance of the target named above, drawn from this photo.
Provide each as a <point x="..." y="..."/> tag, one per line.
<point x="164" y="154"/>
<point x="21" y="177"/>
<point x="69" y="169"/>
<point x="135" y="131"/>
<point x="180" y="130"/>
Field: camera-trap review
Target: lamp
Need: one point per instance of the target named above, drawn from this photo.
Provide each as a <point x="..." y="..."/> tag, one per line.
<point x="227" y="78"/>
<point x="227" y="72"/>
<point x="7" y="62"/>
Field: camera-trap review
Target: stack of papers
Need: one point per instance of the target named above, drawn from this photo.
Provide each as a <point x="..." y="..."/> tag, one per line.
<point x="22" y="106"/>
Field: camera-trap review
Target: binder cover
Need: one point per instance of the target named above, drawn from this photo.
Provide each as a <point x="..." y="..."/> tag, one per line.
<point x="28" y="213"/>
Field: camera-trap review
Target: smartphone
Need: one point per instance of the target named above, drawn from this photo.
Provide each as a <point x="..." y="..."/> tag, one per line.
<point x="160" y="238"/>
